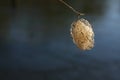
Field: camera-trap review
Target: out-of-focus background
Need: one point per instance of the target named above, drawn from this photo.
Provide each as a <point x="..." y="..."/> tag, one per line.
<point x="35" y="41"/>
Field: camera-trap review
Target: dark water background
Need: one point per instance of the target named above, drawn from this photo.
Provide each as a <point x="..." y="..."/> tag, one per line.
<point x="35" y="43"/>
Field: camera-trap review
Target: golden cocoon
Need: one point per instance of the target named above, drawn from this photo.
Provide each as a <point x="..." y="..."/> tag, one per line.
<point x="82" y="34"/>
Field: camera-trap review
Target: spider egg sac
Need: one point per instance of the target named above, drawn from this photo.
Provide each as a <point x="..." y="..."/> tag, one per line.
<point x="82" y="34"/>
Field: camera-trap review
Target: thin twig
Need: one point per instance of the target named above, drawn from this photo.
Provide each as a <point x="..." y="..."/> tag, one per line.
<point x="77" y="12"/>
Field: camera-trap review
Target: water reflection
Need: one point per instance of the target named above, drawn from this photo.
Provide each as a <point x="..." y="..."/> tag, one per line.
<point x="35" y="42"/>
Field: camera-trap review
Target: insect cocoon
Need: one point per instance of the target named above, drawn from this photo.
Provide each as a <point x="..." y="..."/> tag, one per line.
<point x="82" y="34"/>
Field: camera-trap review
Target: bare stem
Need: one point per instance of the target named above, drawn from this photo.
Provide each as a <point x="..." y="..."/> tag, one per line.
<point x="77" y="12"/>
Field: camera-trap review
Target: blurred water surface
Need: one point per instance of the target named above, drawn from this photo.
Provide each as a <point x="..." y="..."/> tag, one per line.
<point x="35" y="41"/>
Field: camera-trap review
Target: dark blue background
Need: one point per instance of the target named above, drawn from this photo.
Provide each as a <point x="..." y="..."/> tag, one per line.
<point x="35" y="41"/>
